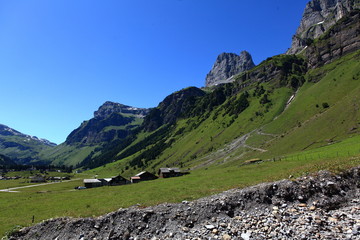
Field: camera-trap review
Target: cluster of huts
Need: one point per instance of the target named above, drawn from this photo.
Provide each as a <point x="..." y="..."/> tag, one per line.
<point x="142" y="176"/>
<point x="38" y="178"/>
<point x="8" y="178"/>
<point x="42" y="179"/>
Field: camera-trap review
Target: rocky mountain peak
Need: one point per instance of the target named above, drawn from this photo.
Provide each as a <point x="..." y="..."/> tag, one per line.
<point x="109" y="108"/>
<point x="318" y="17"/>
<point x="226" y="66"/>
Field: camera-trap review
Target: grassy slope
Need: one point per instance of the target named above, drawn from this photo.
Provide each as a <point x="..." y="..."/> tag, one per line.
<point x="65" y="154"/>
<point x="72" y="154"/>
<point x="304" y="125"/>
<point x="34" y="147"/>
<point x="212" y="133"/>
<point x="60" y="199"/>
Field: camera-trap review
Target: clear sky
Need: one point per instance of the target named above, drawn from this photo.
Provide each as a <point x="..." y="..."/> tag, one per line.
<point x="62" y="59"/>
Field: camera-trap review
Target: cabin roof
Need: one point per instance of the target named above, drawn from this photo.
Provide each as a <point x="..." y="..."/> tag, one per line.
<point x="92" y="181"/>
<point x="167" y="170"/>
<point x="140" y="173"/>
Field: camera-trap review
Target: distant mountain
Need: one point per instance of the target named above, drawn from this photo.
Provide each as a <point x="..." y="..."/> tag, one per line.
<point x="111" y="121"/>
<point x="22" y="148"/>
<point x="228" y="65"/>
<point x="109" y="108"/>
<point x="112" y="124"/>
<point x="318" y="17"/>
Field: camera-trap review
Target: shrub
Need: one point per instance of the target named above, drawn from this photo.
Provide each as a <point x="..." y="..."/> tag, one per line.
<point x="325" y="105"/>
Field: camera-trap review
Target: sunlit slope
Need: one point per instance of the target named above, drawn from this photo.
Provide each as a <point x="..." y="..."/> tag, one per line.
<point x="322" y="112"/>
<point x="325" y="109"/>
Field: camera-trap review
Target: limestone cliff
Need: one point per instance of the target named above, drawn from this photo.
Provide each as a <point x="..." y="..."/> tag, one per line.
<point x="228" y="65"/>
<point x="339" y="40"/>
<point x="111" y="121"/>
<point x="318" y="17"/>
<point x="109" y="108"/>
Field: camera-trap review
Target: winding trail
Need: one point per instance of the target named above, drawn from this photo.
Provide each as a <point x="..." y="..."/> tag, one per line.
<point x="35" y="185"/>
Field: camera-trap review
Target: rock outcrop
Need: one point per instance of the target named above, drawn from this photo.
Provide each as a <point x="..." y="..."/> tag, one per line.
<point x="341" y="39"/>
<point x="109" y="108"/>
<point x="111" y="121"/>
<point x="322" y="206"/>
<point x="318" y="17"/>
<point x="228" y="65"/>
<point x="282" y="70"/>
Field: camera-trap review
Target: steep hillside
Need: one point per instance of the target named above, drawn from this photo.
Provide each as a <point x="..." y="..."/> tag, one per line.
<point x="234" y="120"/>
<point x="285" y="105"/>
<point x="208" y="122"/>
<point x="22" y="148"/>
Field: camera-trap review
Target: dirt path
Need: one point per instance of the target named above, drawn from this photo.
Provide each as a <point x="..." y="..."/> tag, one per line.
<point x="35" y="185"/>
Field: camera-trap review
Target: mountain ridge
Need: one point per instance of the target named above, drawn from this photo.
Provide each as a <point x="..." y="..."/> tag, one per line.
<point x="22" y="148"/>
<point x="112" y="120"/>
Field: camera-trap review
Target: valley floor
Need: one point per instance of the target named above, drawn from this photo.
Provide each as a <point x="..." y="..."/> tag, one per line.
<point x="34" y="185"/>
<point x="318" y="206"/>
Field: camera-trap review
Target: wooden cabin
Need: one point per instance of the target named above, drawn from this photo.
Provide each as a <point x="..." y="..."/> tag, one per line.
<point x="114" y="181"/>
<point x="143" y="176"/>
<point x="169" y="172"/>
<point x="37" y="179"/>
<point x="91" y="183"/>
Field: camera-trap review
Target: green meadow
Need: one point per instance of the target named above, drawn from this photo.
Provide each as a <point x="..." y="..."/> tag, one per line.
<point x="62" y="200"/>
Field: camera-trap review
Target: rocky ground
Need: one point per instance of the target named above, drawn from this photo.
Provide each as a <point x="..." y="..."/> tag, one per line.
<point x="322" y="206"/>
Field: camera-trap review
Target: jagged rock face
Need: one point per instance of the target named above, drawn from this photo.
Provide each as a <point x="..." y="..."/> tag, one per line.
<point x="110" y="107"/>
<point x="105" y="125"/>
<point x="226" y="66"/>
<point x="318" y="17"/>
<point x="341" y="39"/>
<point x="94" y="131"/>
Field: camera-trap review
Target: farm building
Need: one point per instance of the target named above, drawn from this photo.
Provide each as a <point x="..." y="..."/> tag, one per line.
<point x="118" y="180"/>
<point x="143" y="176"/>
<point x="91" y="183"/>
<point x="114" y="181"/>
<point x="37" y="179"/>
<point x="105" y="181"/>
<point x="169" y="172"/>
<point x="58" y="178"/>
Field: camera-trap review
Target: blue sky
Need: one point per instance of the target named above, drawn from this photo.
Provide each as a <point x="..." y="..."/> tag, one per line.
<point x="61" y="59"/>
